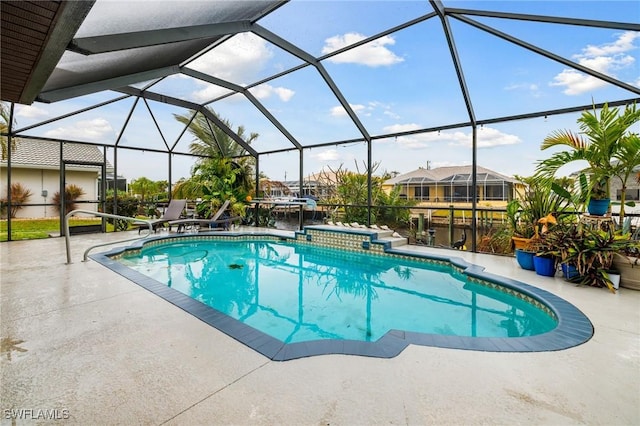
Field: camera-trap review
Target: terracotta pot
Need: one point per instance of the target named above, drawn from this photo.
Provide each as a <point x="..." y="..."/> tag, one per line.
<point x="629" y="268"/>
<point x="521" y="243"/>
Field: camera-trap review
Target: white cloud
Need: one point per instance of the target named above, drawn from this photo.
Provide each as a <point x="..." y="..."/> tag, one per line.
<point x="607" y="58"/>
<point x="373" y="54"/>
<point x="31" y="111"/>
<point x="328" y="155"/>
<point x="208" y="92"/>
<point x="92" y="130"/>
<point x="576" y="83"/>
<point x="339" y="111"/>
<point x="391" y="114"/>
<point x="532" y="88"/>
<point x="264" y="91"/>
<point x="235" y="59"/>
<point x="238" y="60"/>
<point x="487" y="137"/>
<point x="397" y="128"/>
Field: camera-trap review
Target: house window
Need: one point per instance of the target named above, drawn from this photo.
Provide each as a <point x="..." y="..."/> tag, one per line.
<point x="630" y="194"/>
<point x="457" y="193"/>
<point x="494" y="192"/>
<point x="421" y="192"/>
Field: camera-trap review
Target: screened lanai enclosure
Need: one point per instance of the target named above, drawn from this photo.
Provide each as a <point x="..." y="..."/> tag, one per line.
<point x="391" y="84"/>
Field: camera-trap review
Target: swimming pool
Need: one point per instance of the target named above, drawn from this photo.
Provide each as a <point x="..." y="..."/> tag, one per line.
<point x="288" y="298"/>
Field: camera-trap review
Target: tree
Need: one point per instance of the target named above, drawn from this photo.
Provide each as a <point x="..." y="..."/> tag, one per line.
<point x="144" y="187"/>
<point x="4" y="130"/>
<point x="627" y="159"/>
<point x="214" y="181"/>
<point x="352" y="192"/>
<point x="603" y="139"/>
<point x="212" y="142"/>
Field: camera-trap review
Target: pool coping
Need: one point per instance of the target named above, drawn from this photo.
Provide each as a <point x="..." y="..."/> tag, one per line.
<point x="573" y="328"/>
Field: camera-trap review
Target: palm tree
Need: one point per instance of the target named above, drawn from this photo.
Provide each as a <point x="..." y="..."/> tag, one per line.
<point x="211" y="142"/>
<point x="4" y="129"/>
<point x="601" y="140"/>
<point x="627" y="159"/>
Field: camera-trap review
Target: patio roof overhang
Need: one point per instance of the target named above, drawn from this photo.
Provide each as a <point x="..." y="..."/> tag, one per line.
<point x="35" y="35"/>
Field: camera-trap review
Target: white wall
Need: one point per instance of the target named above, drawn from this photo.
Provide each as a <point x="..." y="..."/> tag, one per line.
<point x="38" y="180"/>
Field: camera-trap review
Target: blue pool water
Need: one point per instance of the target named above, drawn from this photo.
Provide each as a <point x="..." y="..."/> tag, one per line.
<point x="298" y="293"/>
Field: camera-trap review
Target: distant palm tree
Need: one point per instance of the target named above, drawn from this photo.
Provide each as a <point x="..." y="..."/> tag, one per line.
<point x="4" y="129"/>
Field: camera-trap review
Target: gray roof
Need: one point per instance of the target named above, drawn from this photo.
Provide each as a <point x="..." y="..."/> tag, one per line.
<point x="455" y="174"/>
<point x="46" y="154"/>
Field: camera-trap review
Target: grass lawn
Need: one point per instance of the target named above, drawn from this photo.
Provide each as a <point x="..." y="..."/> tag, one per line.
<point x="31" y="229"/>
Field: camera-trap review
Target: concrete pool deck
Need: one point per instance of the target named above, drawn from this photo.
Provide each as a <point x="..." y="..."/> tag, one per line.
<point x="97" y="348"/>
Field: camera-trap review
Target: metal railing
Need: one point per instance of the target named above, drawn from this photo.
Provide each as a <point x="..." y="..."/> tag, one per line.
<point x="100" y="214"/>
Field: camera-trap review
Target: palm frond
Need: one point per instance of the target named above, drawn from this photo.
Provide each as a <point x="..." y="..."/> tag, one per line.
<point x="564" y="137"/>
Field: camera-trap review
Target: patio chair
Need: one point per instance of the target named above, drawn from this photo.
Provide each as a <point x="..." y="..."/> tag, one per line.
<point x="174" y="211"/>
<point x="200" y="223"/>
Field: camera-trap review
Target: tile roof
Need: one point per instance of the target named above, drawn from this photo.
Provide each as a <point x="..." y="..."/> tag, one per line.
<point x="446" y="174"/>
<point x="46" y="154"/>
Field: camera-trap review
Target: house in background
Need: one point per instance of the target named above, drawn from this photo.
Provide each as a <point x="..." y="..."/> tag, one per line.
<point x="319" y="186"/>
<point x="36" y="165"/>
<point x="453" y="185"/>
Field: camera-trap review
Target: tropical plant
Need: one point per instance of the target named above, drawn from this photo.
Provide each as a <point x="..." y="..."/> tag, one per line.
<point x="19" y="195"/>
<point x="627" y="160"/>
<point x="146" y="188"/>
<point x="590" y="249"/>
<point x="602" y="139"/>
<point x="4" y="130"/>
<point x="351" y="191"/>
<point x="214" y="181"/>
<point x="210" y="141"/>
<point x="127" y="206"/>
<point x="535" y="201"/>
<point x="71" y="193"/>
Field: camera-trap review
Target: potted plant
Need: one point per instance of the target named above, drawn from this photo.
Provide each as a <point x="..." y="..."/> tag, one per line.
<point x="563" y="242"/>
<point x="592" y="252"/>
<point x="627" y="262"/>
<point x="535" y="201"/>
<point x="604" y="142"/>
<point x="545" y="260"/>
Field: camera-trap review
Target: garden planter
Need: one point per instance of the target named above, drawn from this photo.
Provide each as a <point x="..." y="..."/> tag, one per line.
<point x="545" y="266"/>
<point x="525" y="259"/>
<point x="598" y="207"/>
<point x="569" y="271"/>
<point x="629" y="269"/>
<point x="521" y="243"/>
<point x="614" y="277"/>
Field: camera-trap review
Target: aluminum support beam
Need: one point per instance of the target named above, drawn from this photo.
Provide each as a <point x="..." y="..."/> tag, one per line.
<point x="548" y="54"/>
<point x="108" y="84"/>
<point x="547" y="19"/>
<point x="137" y="39"/>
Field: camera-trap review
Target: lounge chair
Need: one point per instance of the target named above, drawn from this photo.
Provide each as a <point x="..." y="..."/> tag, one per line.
<point x="174" y="211"/>
<point x="205" y="223"/>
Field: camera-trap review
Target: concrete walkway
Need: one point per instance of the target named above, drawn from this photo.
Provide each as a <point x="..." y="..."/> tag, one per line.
<point x="98" y="349"/>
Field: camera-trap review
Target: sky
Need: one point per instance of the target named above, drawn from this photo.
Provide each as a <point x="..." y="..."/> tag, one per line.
<point x="400" y="82"/>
